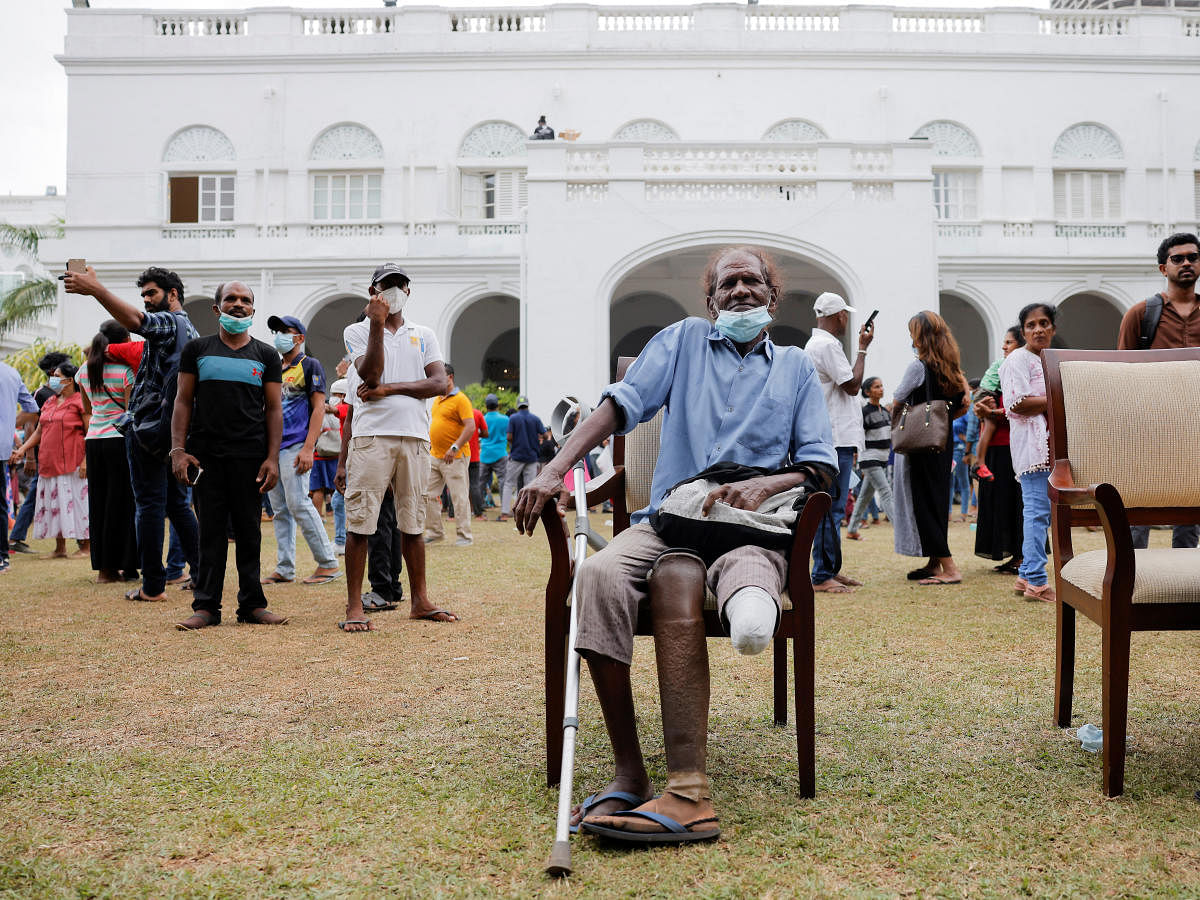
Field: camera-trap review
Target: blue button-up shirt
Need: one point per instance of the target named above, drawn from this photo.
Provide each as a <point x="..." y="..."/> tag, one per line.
<point x="764" y="409"/>
<point x="13" y="395"/>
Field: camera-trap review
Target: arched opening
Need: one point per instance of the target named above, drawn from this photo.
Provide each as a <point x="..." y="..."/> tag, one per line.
<point x="969" y="328"/>
<point x="324" y="341"/>
<point x="668" y="288"/>
<point x="485" y="342"/>
<point x="199" y="309"/>
<point x="636" y="318"/>
<point x="1087" y="321"/>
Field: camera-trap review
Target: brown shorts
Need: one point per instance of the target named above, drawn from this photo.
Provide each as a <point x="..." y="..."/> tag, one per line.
<point x="377" y="462"/>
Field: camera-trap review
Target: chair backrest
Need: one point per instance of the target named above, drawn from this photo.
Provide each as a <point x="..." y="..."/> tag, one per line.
<point x="1128" y="418"/>
<point x="638" y="452"/>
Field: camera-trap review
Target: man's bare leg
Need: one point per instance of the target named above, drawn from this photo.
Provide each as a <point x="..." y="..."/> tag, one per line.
<point x="615" y="693"/>
<point x="681" y="652"/>
<point x="356" y="564"/>
<point x="412" y="546"/>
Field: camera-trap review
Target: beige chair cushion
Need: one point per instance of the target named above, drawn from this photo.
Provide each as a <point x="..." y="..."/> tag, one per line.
<point x="1119" y="413"/>
<point x="1161" y="575"/>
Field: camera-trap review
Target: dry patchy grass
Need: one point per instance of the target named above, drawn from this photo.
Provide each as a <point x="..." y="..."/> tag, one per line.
<point x="251" y="761"/>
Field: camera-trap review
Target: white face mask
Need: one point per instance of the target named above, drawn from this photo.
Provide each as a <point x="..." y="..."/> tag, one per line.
<point x="395" y="299"/>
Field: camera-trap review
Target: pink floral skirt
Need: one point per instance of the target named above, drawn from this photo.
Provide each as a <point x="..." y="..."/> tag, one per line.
<point x="62" y="507"/>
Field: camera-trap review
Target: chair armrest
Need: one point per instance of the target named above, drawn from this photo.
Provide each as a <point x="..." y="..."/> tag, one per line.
<point x="1061" y="487"/>
<point x="608" y="486"/>
<point x="1120" y="564"/>
<point x="798" y="581"/>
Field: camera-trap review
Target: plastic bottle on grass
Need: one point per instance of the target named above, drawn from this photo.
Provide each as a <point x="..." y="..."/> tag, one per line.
<point x="1091" y="737"/>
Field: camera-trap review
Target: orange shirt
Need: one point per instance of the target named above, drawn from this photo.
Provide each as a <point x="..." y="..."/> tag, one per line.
<point x="449" y="416"/>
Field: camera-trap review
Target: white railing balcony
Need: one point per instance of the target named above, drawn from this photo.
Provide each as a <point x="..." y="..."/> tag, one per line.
<point x="200" y="25"/>
<point x="348" y="24"/>
<point x="497" y="20"/>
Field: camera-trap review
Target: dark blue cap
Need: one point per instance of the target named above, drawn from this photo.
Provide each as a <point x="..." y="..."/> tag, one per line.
<point x="284" y="323"/>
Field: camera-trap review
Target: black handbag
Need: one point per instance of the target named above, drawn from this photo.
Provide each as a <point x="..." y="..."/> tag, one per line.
<point x="921" y="427"/>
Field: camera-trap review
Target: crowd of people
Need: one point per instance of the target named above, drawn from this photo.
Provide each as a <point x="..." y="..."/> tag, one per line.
<point x="199" y="432"/>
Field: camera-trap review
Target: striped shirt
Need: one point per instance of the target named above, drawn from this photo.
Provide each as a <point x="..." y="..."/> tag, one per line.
<point x="877" y="424"/>
<point x="108" y="401"/>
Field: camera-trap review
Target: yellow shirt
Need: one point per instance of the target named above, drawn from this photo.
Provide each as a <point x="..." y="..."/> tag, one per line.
<point x="450" y="414"/>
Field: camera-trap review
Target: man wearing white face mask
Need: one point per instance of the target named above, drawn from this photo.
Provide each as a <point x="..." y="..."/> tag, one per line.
<point x="840" y="383"/>
<point x="303" y="413"/>
<point x="395" y="367"/>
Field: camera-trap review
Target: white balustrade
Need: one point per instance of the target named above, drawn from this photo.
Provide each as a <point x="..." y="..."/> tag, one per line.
<point x="349" y="230"/>
<point x="490" y="228"/>
<point x="873" y="191"/>
<point x="1080" y="24"/>
<point x="728" y="192"/>
<point x="329" y="23"/>
<point x="585" y="192"/>
<point x="191" y="25"/>
<point x="187" y="233"/>
<point x="1191" y="27"/>
<point x="766" y="18"/>
<point x="871" y="161"/>
<point x="959" y="230"/>
<point x="937" y="22"/>
<point x="497" y="20"/>
<point x="673" y="159"/>
<point x="670" y="19"/>
<point x="1017" y="229"/>
<point x="1089" y="231"/>
<point x="587" y="162"/>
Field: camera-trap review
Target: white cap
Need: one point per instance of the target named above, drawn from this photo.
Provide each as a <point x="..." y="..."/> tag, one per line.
<point x="339" y="387"/>
<point x="829" y="304"/>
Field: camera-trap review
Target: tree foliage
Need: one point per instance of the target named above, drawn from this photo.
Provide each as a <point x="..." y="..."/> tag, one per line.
<point x="26" y="361"/>
<point x="478" y="391"/>
<point x="29" y="300"/>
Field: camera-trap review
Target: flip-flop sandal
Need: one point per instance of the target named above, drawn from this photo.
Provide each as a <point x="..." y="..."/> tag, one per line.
<point x="433" y="616"/>
<point x="276" y="578"/>
<point x="675" y="832"/>
<point x="918" y="574"/>
<point x="209" y="622"/>
<point x="137" y="596"/>
<point x="321" y="579"/>
<point x="595" y="799"/>
<point x="342" y="626"/>
<point x="380" y="606"/>
<point x="937" y="579"/>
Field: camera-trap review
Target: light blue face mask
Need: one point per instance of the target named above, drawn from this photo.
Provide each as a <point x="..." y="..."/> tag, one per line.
<point x="916" y="352"/>
<point x="234" y="325"/>
<point x="743" y="327"/>
<point x="55" y="383"/>
<point x="284" y="342"/>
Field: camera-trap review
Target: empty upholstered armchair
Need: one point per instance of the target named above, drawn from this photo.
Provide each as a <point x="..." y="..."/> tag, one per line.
<point x="1122" y="428"/>
<point x="628" y="487"/>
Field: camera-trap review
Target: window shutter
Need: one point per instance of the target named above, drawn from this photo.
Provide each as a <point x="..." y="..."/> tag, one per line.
<point x="506" y="195"/>
<point x="1114" y="196"/>
<point x="472" y="196"/>
<point x="522" y="192"/>
<point x="184" y="194"/>
<point x="1060" y="195"/>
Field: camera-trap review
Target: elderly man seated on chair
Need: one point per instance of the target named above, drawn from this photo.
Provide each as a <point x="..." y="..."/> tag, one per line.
<point x="730" y="395"/>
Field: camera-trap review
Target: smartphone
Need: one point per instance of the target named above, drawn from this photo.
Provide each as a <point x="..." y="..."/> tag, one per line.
<point x="77" y="266"/>
<point x="193" y="473"/>
<point x="870" y="319"/>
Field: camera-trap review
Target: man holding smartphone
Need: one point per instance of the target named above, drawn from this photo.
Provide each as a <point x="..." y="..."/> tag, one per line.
<point x="840" y="382"/>
<point x="225" y="435"/>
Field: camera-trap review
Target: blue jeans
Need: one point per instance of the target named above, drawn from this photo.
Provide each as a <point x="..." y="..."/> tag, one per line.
<point x="827" y="547"/>
<point x="339" y="518"/>
<point x="25" y="513"/>
<point x="292" y="506"/>
<point x="960" y="480"/>
<point x="176" y="561"/>
<point x="1037" y="523"/>
<point x="874" y="485"/>
<point x="158" y="496"/>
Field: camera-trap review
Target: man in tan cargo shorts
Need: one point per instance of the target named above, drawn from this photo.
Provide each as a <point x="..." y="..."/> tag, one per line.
<point x="395" y="366"/>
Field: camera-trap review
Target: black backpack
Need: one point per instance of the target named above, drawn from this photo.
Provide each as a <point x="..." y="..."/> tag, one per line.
<point x="1150" y="319"/>
<point x="151" y="419"/>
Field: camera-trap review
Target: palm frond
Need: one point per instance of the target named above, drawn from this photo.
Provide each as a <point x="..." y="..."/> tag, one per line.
<point x="26" y="303"/>
<point x="27" y="237"/>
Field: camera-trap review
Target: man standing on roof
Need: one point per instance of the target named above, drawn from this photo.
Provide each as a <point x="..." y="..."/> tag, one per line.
<point x="396" y="366"/>
<point x="1163" y="321"/>
<point x="303" y="415"/>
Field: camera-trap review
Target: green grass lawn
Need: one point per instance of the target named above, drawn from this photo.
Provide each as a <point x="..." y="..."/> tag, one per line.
<point x="137" y="761"/>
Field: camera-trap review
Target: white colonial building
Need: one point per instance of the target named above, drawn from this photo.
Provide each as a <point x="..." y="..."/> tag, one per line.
<point x="967" y="161"/>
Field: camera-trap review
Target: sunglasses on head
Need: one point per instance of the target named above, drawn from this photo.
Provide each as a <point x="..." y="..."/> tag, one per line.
<point x="1177" y="258"/>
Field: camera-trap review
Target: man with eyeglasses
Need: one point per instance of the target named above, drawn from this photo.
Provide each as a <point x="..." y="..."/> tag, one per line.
<point x="1165" y="320"/>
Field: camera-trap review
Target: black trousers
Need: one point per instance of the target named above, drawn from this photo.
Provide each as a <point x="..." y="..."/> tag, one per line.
<point x="475" y="487"/>
<point x="227" y="495"/>
<point x="929" y="476"/>
<point x="110" y="507"/>
<point x="385" y="561"/>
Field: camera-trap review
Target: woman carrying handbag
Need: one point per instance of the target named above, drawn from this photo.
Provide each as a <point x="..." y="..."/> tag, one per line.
<point x="932" y="392"/>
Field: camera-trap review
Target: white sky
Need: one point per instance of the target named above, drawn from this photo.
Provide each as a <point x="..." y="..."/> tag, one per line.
<point x="33" y="87"/>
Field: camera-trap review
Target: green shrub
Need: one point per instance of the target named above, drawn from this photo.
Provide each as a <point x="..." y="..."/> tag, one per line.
<point x="25" y="361"/>
<point x="477" y="392"/>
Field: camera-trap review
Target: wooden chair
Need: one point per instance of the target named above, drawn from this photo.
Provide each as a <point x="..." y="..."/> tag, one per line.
<point x="628" y="488"/>
<point x="1122" y="430"/>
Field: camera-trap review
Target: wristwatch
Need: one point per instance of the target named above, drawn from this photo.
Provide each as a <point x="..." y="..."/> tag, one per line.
<point x="455" y="448"/>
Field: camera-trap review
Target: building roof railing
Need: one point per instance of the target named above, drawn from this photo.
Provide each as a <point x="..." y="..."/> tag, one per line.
<point x="98" y="32"/>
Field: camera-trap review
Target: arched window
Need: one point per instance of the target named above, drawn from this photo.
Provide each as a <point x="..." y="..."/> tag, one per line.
<point x="648" y="130"/>
<point x="1088" y="175"/>
<point x="955" y="170"/>
<point x="491" y="162"/>
<point x="795" y="130"/>
<point x="200" y="179"/>
<point x="346" y="174"/>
